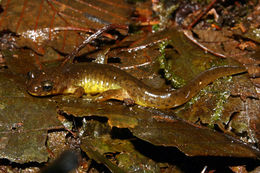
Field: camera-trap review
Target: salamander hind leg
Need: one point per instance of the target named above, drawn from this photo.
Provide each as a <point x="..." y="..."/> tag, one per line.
<point x="117" y="94"/>
<point x="129" y="102"/>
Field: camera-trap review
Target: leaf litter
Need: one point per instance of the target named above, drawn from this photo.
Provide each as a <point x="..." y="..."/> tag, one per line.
<point x="222" y="120"/>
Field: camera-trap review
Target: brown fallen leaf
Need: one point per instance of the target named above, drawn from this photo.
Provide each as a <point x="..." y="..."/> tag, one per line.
<point x="58" y="23"/>
<point x="23" y="131"/>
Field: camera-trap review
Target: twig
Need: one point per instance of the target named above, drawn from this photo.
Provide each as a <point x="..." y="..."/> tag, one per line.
<point x="202" y="46"/>
<point x="202" y="14"/>
<point x="92" y="37"/>
<point x="72" y="28"/>
<point x="135" y="66"/>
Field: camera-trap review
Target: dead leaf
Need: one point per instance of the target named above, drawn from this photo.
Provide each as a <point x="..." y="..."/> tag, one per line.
<point x="23" y="122"/>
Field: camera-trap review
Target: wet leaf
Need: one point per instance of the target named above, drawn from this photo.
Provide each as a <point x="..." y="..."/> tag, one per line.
<point x="126" y="156"/>
<point x="92" y="153"/>
<point x="20" y="61"/>
<point x="57" y="142"/>
<point x="220" y="42"/>
<point x="253" y="34"/>
<point x="57" y="23"/>
<point x="164" y="129"/>
<point x="138" y="55"/>
<point x="191" y="139"/>
<point x="23" y="122"/>
<point x="118" y="115"/>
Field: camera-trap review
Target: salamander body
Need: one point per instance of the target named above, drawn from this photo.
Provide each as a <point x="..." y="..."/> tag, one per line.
<point x="113" y="83"/>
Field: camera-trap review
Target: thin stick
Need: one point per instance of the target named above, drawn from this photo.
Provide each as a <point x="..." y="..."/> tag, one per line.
<point x="92" y="37"/>
<point x="202" y="14"/>
<point x="202" y="46"/>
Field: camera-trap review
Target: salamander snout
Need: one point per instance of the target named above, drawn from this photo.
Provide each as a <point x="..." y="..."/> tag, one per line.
<point x="38" y="84"/>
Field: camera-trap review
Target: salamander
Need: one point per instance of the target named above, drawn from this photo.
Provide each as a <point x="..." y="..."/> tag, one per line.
<point x="109" y="82"/>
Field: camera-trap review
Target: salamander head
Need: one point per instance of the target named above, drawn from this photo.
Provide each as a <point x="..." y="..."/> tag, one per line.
<point x="41" y="83"/>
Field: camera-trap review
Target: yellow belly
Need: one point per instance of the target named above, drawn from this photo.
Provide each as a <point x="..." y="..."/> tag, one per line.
<point x="92" y="86"/>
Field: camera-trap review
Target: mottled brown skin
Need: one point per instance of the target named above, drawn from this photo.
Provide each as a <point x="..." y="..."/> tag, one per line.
<point x="112" y="83"/>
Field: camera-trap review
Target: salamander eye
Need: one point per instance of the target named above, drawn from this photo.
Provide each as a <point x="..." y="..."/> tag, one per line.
<point x="47" y="85"/>
<point x="30" y="75"/>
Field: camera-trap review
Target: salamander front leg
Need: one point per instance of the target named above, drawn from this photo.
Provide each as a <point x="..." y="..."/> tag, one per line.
<point x="79" y="92"/>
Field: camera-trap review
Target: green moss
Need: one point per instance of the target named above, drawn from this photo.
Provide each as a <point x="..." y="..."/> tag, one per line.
<point x="166" y="66"/>
<point x="221" y="100"/>
<point x="155" y="27"/>
<point x="220" y="95"/>
<point x="165" y="13"/>
<point x="196" y="98"/>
